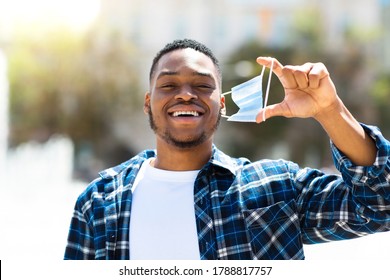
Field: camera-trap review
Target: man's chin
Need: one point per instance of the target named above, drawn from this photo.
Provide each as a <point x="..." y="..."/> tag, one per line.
<point x="188" y="143"/>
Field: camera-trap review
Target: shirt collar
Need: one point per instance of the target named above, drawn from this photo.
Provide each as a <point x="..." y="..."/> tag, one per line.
<point x="134" y="162"/>
<point x="218" y="158"/>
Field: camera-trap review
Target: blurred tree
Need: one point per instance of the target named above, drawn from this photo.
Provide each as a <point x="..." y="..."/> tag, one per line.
<point x="74" y="85"/>
<point x="381" y="94"/>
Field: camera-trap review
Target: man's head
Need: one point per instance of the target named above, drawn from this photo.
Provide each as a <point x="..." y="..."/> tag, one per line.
<point x="183" y="44"/>
<point x="184" y="101"/>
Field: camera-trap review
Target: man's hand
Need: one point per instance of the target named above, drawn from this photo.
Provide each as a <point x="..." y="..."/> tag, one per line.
<point x="309" y="91"/>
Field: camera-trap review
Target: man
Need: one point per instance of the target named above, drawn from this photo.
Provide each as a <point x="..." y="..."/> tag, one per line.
<point x="188" y="200"/>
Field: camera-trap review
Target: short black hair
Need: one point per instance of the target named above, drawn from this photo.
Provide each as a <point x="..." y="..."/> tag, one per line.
<point x="183" y="44"/>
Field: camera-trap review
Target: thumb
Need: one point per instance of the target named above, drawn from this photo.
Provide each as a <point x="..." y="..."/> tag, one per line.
<point x="275" y="110"/>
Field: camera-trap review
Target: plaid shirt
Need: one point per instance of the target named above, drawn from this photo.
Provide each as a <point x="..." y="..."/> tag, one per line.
<point x="245" y="210"/>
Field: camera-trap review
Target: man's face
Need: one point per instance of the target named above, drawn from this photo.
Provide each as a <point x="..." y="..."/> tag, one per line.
<point x="184" y="101"/>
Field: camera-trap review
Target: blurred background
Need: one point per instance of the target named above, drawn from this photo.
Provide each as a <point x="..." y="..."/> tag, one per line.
<point x="73" y="76"/>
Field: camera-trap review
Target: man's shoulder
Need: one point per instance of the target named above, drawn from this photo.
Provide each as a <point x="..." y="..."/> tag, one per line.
<point x="134" y="162"/>
<point x="110" y="178"/>
<point x="242" y="165"/>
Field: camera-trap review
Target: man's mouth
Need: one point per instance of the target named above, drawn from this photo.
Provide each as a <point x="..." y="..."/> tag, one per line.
<point x="185" y="114"/>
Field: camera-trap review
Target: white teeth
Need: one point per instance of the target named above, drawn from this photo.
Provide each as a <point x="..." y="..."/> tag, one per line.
<point x="185" y="113"/>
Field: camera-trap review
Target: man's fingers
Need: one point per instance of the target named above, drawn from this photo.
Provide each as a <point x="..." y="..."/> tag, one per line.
<point x="293" y="77"/>
<point x="285" y="74"/>
<point x="306" y="75"/>
<point x="267" y="61"/>
<point x="316" y="74"/>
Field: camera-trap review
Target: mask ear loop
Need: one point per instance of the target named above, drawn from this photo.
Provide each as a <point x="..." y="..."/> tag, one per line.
<point x="268" y="86"/>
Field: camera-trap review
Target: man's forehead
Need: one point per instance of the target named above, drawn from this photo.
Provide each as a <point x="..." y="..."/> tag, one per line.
<point x="188" y="57"/>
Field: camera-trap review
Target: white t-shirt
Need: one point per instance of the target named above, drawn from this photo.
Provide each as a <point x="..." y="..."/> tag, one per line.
<point x="162" y="222"/>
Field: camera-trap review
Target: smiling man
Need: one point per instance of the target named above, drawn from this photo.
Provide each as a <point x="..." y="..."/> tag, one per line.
<point x="188" y="200"/>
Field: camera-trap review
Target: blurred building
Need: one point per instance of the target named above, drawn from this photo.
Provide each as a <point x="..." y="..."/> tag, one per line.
<point x="225" y="24"/>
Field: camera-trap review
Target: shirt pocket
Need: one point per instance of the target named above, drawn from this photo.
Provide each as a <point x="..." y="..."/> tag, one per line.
<point x="274" y="231"/>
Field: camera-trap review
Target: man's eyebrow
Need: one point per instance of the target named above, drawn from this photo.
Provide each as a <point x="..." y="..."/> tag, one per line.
<point x="167" y="73"/>
<point x="203" y="74"/>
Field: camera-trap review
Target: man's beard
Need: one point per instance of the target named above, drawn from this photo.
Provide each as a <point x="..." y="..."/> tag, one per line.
<point x="184" y="144"/>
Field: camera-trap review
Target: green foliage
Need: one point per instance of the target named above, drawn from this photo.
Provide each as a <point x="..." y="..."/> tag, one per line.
<point x="381" y="91"/>
<point x="63" y="83"/>
<point x="381" y="95"/>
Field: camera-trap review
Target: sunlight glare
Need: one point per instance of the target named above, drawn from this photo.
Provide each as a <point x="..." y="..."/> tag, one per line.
<point x="77" y="14"/>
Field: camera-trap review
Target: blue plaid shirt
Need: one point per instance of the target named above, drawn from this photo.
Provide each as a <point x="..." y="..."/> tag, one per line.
<point x="245" y="210"/>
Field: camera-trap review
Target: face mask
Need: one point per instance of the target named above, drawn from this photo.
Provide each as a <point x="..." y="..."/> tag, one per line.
<point x="248" y="96"/>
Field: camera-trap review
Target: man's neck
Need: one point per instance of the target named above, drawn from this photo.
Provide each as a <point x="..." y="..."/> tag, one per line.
<point x="182" y="159"/>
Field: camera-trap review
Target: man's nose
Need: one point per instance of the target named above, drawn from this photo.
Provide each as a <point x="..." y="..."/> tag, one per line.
<point x="186" y="93"/>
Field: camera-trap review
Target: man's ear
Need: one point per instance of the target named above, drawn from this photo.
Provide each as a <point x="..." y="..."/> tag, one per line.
<point x="147" y="103"/>
<point x="223" y="107"/>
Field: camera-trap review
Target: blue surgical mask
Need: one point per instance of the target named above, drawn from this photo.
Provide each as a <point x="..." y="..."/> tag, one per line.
<point x="248" y="96"/>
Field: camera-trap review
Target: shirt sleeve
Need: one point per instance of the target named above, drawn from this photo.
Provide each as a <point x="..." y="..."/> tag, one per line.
<point x="80" y="243"/>
<point x="353" y="204"/>
<point x="368" y="175"/>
